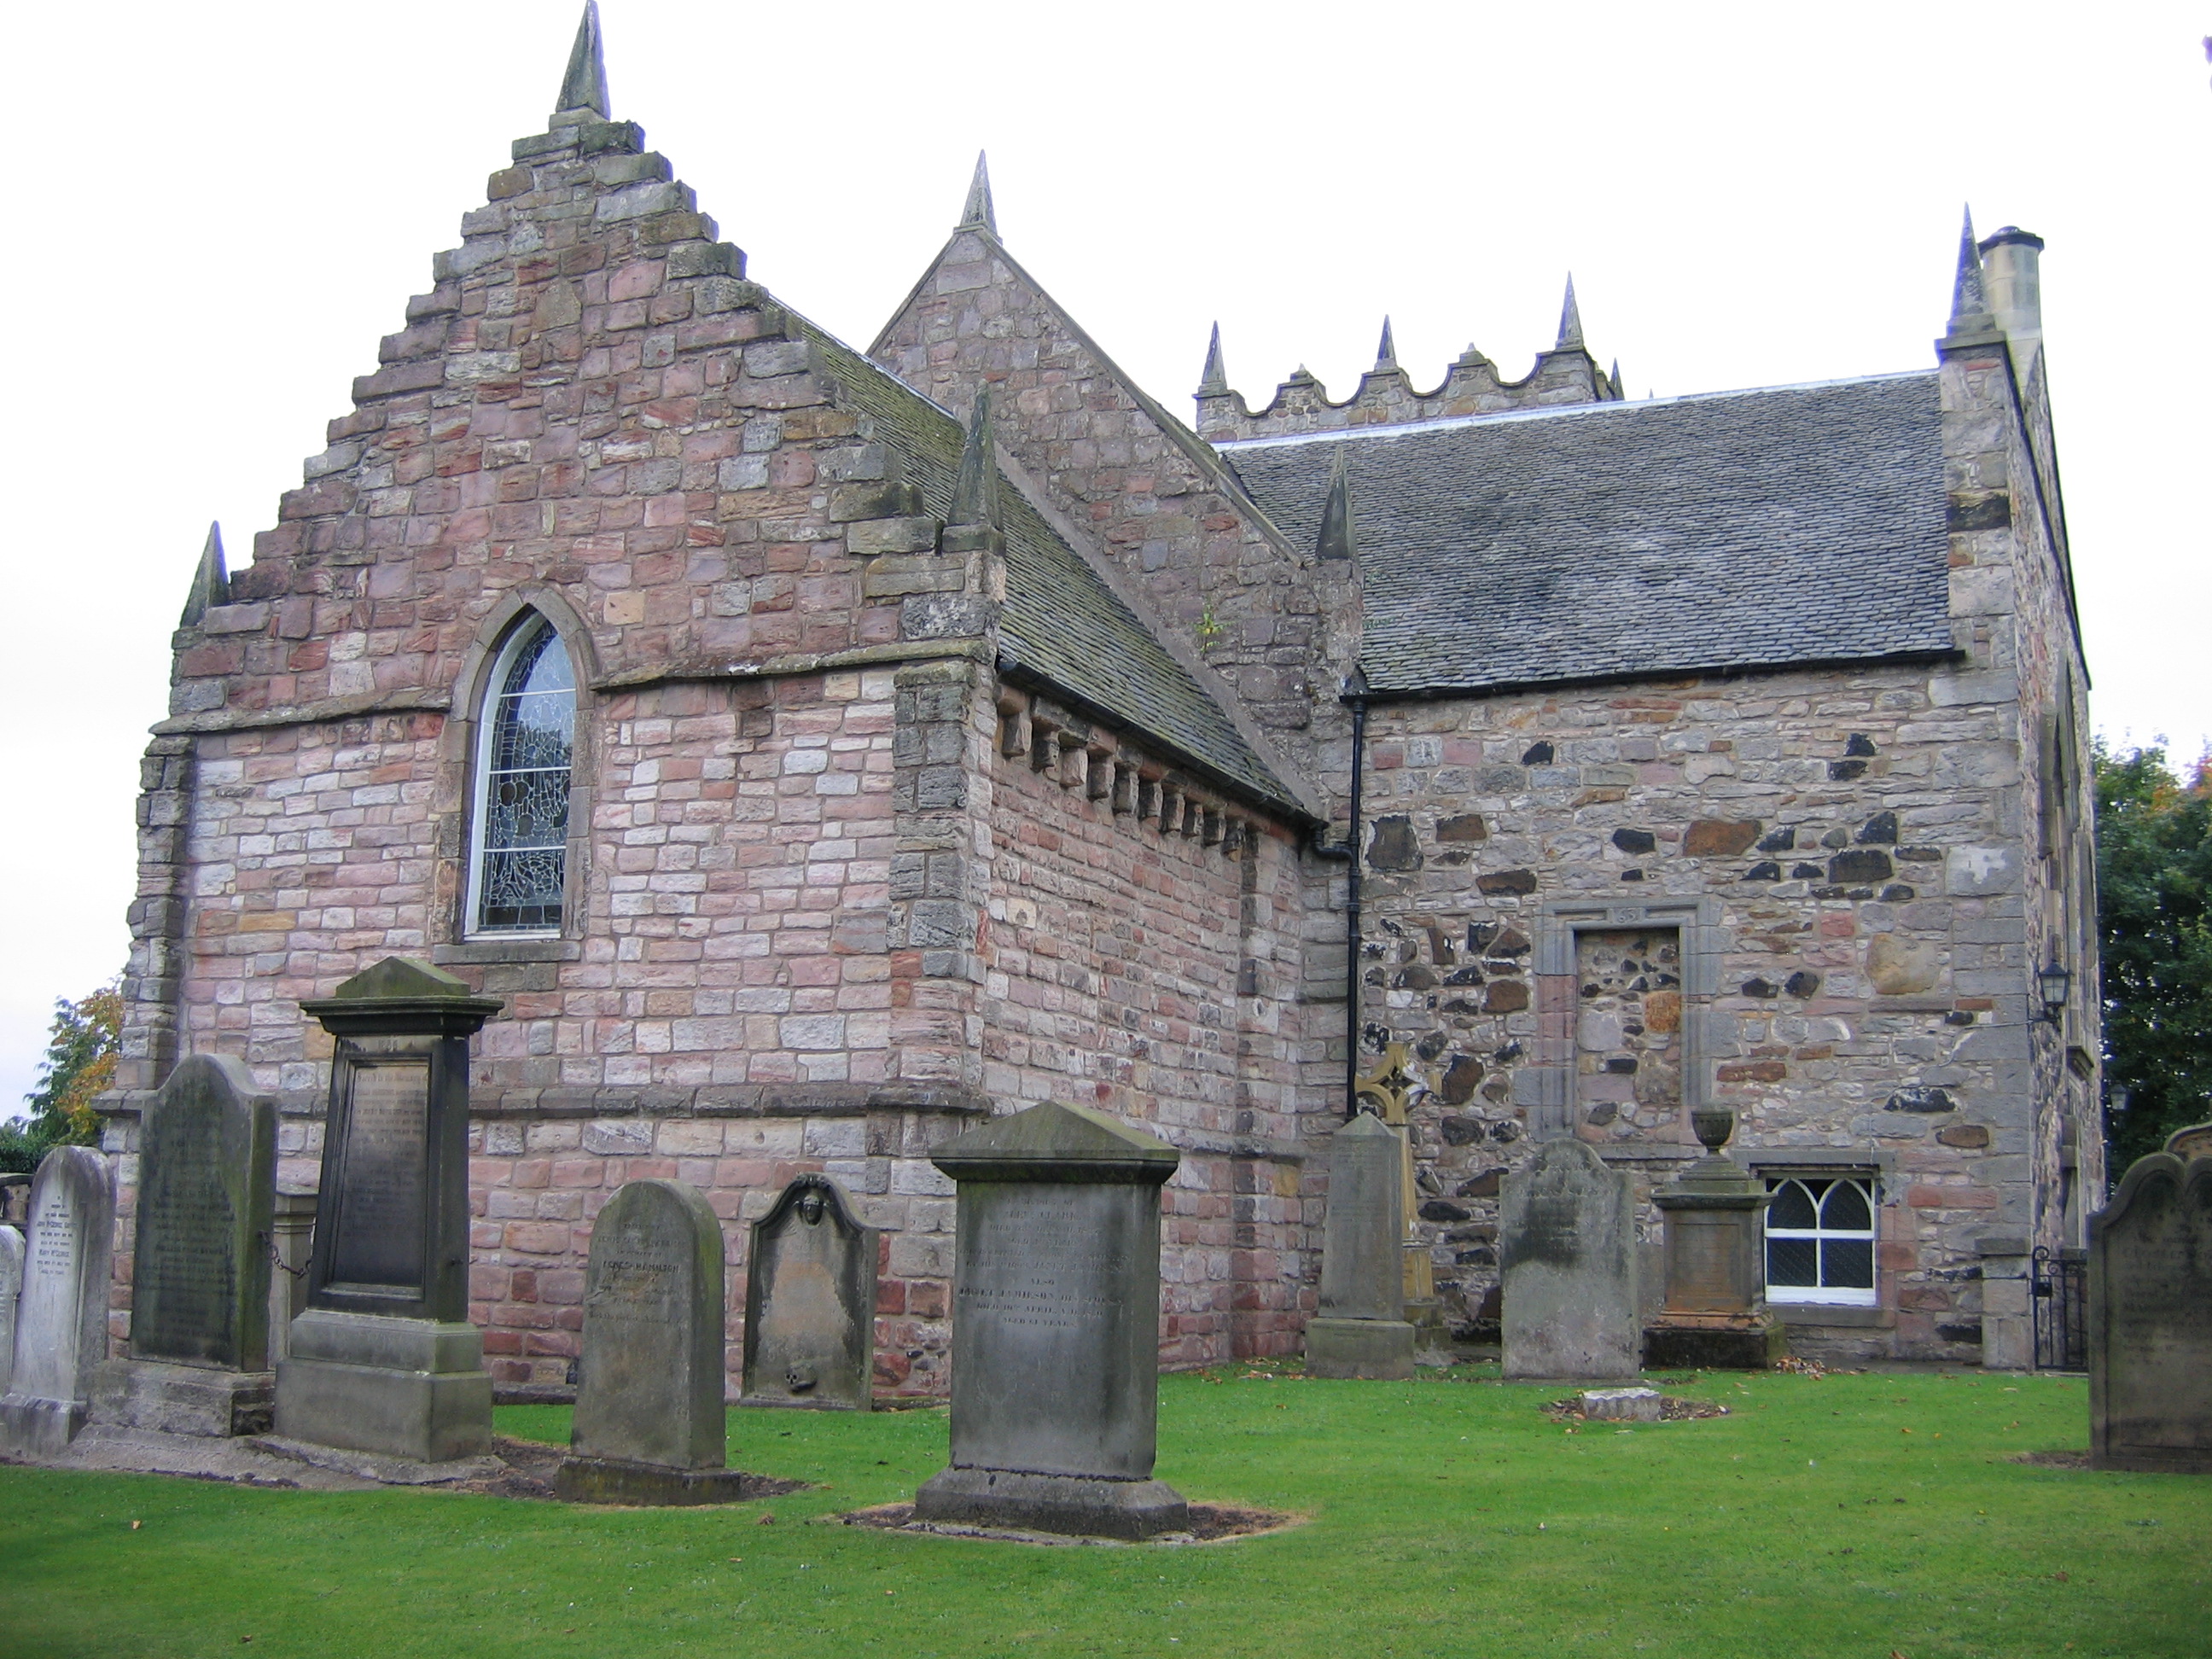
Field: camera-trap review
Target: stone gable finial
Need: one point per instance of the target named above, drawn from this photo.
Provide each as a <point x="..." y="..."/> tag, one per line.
<point x="210" y="582"/>
<point x="1571" y="321"/>
<point x="1386" y="354"/>
<point x="585" y="85"/>
<point x="978" y="214"/>
<point x="1214" y="382"/>
<point x="1970" y="300"/>
<point x="1335" y="541"/>
<point x="975" y="495"/>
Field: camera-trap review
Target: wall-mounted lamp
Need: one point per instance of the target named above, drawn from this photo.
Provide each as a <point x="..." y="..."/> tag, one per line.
<point x="2052" y="984"/>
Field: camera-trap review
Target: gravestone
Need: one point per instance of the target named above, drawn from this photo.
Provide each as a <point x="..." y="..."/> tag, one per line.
<point x="811" y="1302"/>
<point x="11" y="1288"/>
<point x="60" y="1319"/>
<point x="1361" y="1330"/>
<point x="1715" y="1316"/>
<point x="2150" y="1320"/>
<point x="384" y="1360"/>
<point x="1566" y="1248"/>
<point x="649" y="1427"/>
<point x="200" y="1278"/>
<point x="1056" y="1327"/>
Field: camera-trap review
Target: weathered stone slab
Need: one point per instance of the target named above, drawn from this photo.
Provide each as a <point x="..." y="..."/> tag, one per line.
<point x="61" y="1321"/>
<point x="811" y="1302"/>
<point x="1566" y="1240"/>
<point x="2150" y="1320"/>
<point x="206" y="1160"/>
<point x="11" y="1290"/>
<point x="649" y="1390"/>
<point x="1055" y="1327"/>
<point x="1621" y="1405"/>
<point x="1361" y="1330"/>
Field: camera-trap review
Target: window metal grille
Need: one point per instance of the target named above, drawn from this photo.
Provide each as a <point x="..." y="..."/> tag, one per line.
<point x="1819" y="1240"/>
<point x="523" y="769"/>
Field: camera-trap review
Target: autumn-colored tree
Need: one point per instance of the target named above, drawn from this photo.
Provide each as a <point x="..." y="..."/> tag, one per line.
<point x="2155" y="902"/>
<point x="80" y="1063"/>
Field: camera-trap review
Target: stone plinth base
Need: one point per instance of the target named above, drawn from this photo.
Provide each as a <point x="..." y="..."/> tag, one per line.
<point x="380" y="1467"/>
<point x="36" y="1429"/>
<point x="1738" y="1345"/>
<point x="145" y="1393"/>
<point x="1052" y="1503"/>
<point x="410" y="1389"/>
<point x="618" y="1481"/>
<point x="1380" y="1349"/>
<point x="1622" y="1405"/>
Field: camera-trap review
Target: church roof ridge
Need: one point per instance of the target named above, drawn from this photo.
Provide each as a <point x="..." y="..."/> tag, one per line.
<point x="1556" y="411"/>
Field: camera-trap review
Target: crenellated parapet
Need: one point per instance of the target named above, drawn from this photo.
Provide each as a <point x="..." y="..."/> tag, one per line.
<point x="1567" y="374"/>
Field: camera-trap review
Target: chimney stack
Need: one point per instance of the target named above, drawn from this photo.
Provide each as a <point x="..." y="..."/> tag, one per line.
<point x="2012" y="261"/>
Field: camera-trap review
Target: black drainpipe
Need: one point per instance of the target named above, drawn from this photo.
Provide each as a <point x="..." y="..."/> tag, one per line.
<point x="1355" y="694"/>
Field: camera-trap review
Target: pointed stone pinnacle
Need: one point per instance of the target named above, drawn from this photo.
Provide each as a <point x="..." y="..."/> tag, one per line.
<point x="1613" y="378"/>
<point x="1970" y="301"/>
<point x="585" y="85"/>
<point x="1571" y="321"/>
<point x="1386" y="354"/>
<point x="1335" y="541"/>
<point x="978" y="214"/>
<point x="210" y="582"/>
<point x="975" y="495"/>
<point x="1214" y="382"/>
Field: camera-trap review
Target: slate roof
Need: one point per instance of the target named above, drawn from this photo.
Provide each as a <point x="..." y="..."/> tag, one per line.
<point x="1730" y="530"/>
<point x="1061" y="622"/>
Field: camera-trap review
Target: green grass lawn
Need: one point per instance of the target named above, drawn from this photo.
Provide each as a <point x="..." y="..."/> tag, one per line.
<point x="1829" y="1517"/>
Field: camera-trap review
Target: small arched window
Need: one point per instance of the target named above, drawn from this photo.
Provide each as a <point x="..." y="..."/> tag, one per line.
<point x="525" y="746"/>
<point x="1819" y="1240"/>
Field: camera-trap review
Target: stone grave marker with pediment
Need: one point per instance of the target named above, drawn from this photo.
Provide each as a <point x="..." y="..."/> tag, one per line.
<point x="1361" y="1330"/>
<point x="61" y="1317"/>
<point x="1056" y="1329"/>
<point x="1566" y="1239"/>
<point x="811" y="1302"/>
<point x="2150" y="1320"/>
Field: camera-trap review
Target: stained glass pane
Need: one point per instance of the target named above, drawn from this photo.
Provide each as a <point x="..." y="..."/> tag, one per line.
<point x="1847" y="1262"/>
<point x="1792" y="1207"/>
<point x="524" y="834"/>
<point x="1792" y="1262"/>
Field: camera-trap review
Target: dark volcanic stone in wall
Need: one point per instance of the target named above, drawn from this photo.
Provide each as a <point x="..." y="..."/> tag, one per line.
<point x="1458" y="1085"/>
<point x="1465" y="826"/>
<point x="1859" y="866"/>
<point x="1394" y="846"/>
<point x="1507" y="881"/>
<point x="1920" y="1100"/>
<point x="1635" y="841"/>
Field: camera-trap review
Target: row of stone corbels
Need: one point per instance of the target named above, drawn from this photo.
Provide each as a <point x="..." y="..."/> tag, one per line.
<point x="1472" y="385"/>
<point x="1078" y="755"/>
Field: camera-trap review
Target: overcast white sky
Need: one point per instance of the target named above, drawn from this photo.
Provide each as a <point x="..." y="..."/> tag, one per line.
<point x="220" y="207"/>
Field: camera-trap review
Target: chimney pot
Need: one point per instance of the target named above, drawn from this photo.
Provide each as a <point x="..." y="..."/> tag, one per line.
<point x="2012" y="262"/>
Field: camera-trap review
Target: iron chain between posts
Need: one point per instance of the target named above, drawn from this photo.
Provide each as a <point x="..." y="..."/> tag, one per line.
<point x="278" y="1262"/>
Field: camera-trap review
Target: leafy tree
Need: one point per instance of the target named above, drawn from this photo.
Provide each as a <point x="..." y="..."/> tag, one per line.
<point x="80" y="1062"/>
<point x="2155" y="879"/>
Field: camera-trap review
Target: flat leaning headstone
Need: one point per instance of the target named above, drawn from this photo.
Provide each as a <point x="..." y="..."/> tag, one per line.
<point x="811" y="1302"/>
<point x="1566" y="1247"/>
<point x="60" y="1319"/>
<point x="1361" y="1330"/>
<point x="648" y="1426"/>
<point x="11" y="1290"/>
<point x="2150" y="1320"/>
<point x="1056" y="1329"/>
<point x="199" y="1278"/>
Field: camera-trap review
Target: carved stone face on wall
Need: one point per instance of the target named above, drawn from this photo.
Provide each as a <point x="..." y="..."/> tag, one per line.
<point x="811" y="1208"/>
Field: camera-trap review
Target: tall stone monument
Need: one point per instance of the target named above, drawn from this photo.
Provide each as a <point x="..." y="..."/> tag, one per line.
<point x="384" y="1360"/>
<point x="1056" y="1327"/>
<point x="811" y="1302"/>
<point x="1566" y="1247"/>
<point x="1361" y="1330"/>
<point x="648" y="1426"/>
<point x="61" y="1318"/>
<point x="11" y="1290"/>
<point x="199" y="1278"/>
<point x="2150" y="1320"/>
<point x="1714" y="1317"/>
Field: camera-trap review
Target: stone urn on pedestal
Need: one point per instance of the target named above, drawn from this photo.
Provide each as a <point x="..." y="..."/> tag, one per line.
<point x="1714" y="1317"/>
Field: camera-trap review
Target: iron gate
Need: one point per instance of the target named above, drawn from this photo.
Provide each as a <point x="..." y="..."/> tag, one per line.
<point x="2060" y="1286"/>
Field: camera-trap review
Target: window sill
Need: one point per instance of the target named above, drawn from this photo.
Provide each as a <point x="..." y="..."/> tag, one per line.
<point x="1844" y="1314"/>
<point x="520" y="949"/>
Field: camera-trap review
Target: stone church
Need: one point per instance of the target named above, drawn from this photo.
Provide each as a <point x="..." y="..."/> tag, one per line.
<point x="821" y="748"/>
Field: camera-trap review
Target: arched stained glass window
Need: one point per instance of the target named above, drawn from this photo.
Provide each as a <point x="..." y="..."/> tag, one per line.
<point x="525" y="748"/>
<point x="1819" y="1240"/>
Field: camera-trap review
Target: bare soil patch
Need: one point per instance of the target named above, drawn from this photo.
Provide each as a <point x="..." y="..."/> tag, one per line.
<point x="1209" y="1524"/>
